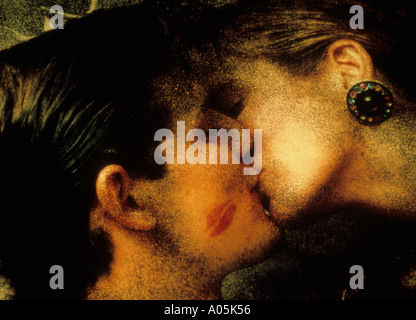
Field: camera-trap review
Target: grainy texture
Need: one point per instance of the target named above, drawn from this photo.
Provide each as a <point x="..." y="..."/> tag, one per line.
<point x="293" y="272"/>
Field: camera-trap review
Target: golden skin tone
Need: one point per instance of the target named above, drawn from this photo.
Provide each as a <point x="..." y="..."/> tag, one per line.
<point x="170" y="237"/>
<point x="316" y="156"/>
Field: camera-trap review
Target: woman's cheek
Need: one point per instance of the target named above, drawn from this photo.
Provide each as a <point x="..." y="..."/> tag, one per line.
<point x="299" y="152"/>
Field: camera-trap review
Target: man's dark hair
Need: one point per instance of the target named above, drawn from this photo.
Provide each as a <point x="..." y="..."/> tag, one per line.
<point x="72" y="101"/>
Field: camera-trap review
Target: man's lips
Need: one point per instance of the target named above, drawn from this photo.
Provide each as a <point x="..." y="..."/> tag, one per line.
<point x="264" y="200"/>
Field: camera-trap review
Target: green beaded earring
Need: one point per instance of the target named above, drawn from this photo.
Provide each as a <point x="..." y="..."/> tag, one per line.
<point x="370" y="102"/>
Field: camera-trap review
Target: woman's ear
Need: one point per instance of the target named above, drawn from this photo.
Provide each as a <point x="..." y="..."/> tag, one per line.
<point x="347" y="62"/>
<point x="114" y="189"/>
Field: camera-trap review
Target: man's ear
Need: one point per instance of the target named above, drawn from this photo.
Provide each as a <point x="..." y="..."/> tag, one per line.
<point x="347" y="62"/>
<point x="114" y="189"/>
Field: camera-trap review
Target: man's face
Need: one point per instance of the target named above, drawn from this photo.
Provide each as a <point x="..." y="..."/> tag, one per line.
<point x="211" y="212"/>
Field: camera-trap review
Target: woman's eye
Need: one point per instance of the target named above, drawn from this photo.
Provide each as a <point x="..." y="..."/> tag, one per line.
<point x="236" y="110"/>
<point x="227" y="100"/>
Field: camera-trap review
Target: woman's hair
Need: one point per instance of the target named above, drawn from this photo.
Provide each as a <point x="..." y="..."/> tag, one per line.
<point x="296" y="33"/>
<point x="72" y="101"/>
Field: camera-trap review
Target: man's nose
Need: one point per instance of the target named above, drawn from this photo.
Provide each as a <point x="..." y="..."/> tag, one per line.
<point x="252" y="180"/>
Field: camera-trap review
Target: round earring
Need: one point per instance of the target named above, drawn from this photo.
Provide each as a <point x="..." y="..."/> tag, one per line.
<point x="370" y="102"/>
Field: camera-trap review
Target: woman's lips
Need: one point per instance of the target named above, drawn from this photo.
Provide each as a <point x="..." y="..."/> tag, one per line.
<point x="220" y="218"/>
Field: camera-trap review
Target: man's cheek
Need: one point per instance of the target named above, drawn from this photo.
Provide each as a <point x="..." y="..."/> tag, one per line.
<point x="220" y="218"/>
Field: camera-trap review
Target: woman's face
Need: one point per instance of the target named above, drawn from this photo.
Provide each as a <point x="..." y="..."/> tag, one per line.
<point x="316" y="157"/>
<point x="211" y="212"/>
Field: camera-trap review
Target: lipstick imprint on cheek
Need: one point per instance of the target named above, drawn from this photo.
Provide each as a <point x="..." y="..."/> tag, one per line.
<point x="219" y="219"/>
